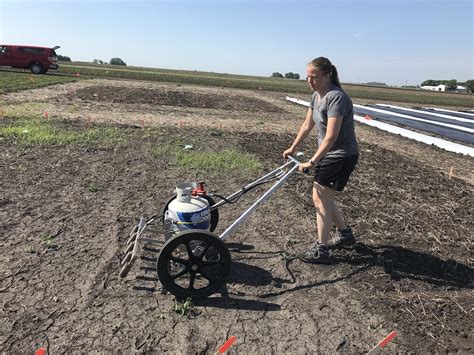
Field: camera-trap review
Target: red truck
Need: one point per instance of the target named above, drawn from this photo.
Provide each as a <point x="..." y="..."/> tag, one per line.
<point x="38" y="59"/>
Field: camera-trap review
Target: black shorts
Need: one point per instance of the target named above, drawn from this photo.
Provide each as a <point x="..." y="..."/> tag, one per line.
<point x="335" y="172"/>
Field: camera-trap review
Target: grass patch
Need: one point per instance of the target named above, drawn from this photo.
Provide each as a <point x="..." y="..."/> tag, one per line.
<point x="224" y="161"/>
<point x="15" y="81"/>
<point x="37" y="131"/>
<point x="217" y="161"/>
<point x="26" y="110"/>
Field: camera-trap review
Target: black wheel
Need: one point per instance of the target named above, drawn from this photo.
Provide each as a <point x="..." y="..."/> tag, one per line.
<point x="193" y="264"/>
<point x="36" y="68"/>
<point x="214" y="213"/>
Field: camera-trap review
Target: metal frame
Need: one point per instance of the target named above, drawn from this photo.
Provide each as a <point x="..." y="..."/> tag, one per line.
<point x="131" y="249"/>
<point x="265" y="196"/>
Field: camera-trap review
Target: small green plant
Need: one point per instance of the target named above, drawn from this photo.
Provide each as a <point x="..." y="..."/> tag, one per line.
<point x="107" y="136"/>
<point x="215" y="132"/>
<point x="286" y="256"/>
<point x="185" y="307"/>
<point x="290" y="243"/>
<point x="47" y="239"/>
<point x="92" y="188"/>
<point x="163" y="150"/>
<point x="73" y="108"/>
<point x="30" y="249"/>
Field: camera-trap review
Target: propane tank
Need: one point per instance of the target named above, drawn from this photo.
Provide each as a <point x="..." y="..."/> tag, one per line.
<point x="187" y="211"/>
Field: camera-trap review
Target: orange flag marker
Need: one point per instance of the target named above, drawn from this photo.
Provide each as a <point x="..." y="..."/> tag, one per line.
<point x="227" y="344"/>
<point x="383" y="343"/>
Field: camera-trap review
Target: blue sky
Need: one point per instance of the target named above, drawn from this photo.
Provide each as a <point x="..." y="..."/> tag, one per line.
<point x="395" y="42"/>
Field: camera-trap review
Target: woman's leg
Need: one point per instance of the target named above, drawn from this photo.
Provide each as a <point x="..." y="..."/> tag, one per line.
<point x="337" y="218"/>
<point x="324" y="200"/>
<point x="336" y="214"/>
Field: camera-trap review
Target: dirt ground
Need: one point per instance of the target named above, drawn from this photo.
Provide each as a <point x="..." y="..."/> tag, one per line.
<point x="409" y="204"/>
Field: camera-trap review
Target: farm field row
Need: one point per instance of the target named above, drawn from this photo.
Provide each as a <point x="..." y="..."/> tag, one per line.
<point x="13" y="81"/>
<point x="409" y="96"/>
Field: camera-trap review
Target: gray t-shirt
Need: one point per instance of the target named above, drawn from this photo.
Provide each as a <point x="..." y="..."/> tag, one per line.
<point x="336" y="103"/>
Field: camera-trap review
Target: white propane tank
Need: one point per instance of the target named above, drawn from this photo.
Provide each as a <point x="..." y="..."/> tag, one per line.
<point x="187" y="211"/>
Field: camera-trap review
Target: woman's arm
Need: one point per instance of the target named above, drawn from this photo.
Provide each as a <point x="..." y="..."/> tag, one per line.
<point x="332" y="132"/>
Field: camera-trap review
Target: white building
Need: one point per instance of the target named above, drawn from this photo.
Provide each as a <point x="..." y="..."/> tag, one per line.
<point x="441" y="87"/>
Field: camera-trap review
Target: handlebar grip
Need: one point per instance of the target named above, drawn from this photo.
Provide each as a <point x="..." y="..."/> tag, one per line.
<point x="306" y="171"/>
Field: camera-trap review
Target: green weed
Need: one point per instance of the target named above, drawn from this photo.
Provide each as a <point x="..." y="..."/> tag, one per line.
<point x="285" y="256"/>
<point x="163" y="150"/>
<point x="47" y="239"/>
<point x="184" y="308"/>
<point x="73" y="108"/>
<point x="92" y="188"/>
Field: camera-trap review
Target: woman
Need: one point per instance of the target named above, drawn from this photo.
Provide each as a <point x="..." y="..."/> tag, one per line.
<point x="331" y="111"/>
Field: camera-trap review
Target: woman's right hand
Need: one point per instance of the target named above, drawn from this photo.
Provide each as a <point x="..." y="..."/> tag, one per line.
<point x="289" y="151"/>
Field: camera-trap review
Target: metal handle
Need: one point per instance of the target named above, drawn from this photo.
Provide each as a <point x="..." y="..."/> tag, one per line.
<point x="296" y="161"/>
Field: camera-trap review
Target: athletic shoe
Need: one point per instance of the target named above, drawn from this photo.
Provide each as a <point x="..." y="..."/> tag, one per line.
<point x="319" y="254"/>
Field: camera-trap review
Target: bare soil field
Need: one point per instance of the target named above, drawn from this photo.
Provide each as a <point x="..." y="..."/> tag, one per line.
<point x="66" y="212"/>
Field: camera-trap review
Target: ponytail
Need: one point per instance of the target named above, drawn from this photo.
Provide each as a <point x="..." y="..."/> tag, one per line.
<point x="335" y="77"/>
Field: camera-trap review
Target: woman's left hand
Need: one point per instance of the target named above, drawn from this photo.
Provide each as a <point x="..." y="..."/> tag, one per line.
<point x="304" y="166"/>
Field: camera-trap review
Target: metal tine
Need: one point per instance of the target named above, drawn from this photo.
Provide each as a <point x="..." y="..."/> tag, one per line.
<point x="129" y="248"/>
<point x="137" y="230"/>
<point x="133" y="230"/>
<point x="126" y="259"/>
<point x="131" y="240"/>
<point x="125" y="270"/>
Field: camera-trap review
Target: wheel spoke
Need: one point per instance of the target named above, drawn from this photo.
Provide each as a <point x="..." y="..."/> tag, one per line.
<point x="181" y="273"/>
<point x="193" y="263"/>
<point x="204" y="252"/>
<point x="189" y="250"/>
<point x="191" y="281"/>
<point x="205" y="275"/>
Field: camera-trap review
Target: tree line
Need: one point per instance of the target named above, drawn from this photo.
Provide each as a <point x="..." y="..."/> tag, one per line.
<point x="288" y="75"/>
<point x="113" y="61"/>
<point x="450" y="84"/>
